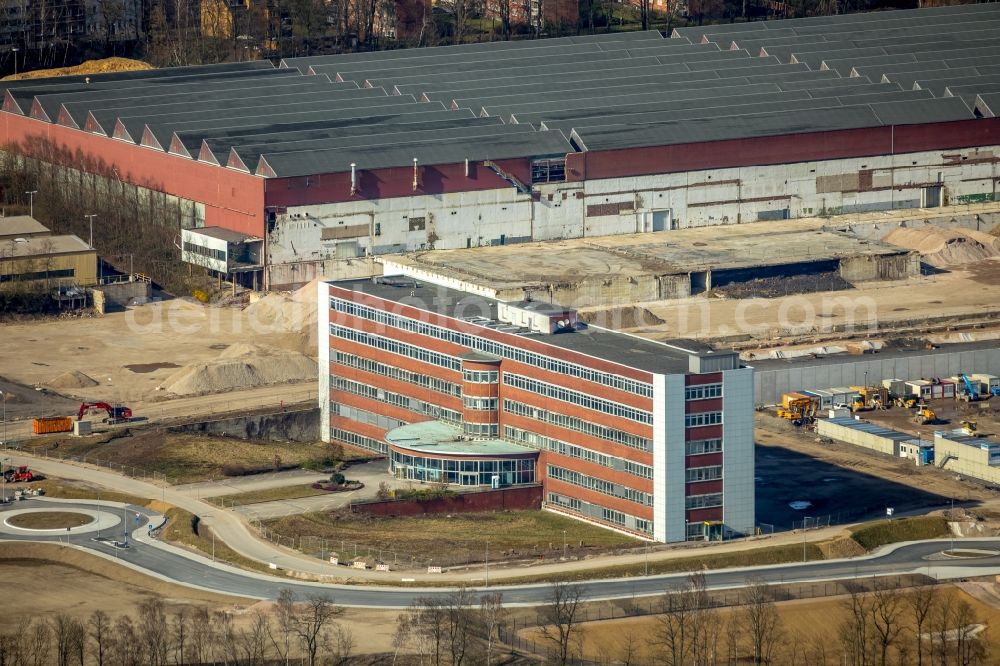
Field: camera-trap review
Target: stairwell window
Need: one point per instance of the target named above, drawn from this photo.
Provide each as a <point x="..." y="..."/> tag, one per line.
<point x="548" y="171"/>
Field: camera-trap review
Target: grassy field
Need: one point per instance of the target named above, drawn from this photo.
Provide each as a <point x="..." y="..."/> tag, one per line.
<point x="71" y="489"/>
<point x="459" y="537"/>
<point x="181" y="530"/>
<point x="267" y="495"/>
<point x="50" y="520"/>
<point x="185" y="458"/>
<point x="879" y="533"/>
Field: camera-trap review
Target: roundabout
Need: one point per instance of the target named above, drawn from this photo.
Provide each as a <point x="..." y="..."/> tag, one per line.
<point x="50" y="522"/>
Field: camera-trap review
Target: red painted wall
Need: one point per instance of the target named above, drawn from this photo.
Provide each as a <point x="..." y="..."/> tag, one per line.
<point x="521" y="498"/>
<point x="232" y="199"/>
<point x="394" y="182"/>
<point x="782" y="149"/>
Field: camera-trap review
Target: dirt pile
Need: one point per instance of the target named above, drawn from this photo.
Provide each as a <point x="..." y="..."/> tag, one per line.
<point x="104" y="66"/>
<point x="293" y="314"/>
<point x="242" y="366"/>
<point x="72" y="379"/>
<point x="622" y="317"/>
<point x="942" y="248"/>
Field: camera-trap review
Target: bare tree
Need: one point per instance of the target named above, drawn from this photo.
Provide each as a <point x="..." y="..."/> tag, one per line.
<point x="253" y="639"/>
<point x="180" y="628"/>
<point x="155" y="631"/>
<point x="760" y="620"/>
<point x="70" y="639"/>
<point x="428" y="625"/>
<point x="969" y="650"/>
<point x="886" y="617"/>
<point x="559" y="620"/>
<point x="920" y="601"/>
<point x="687" y="627"/>
<point x="855" y="637"/>
<point x="99" y="630"/>
<point x="493" y="617"/>
<point x="460" y="625"/>
<point x="280" y="632"/>
<point x="941" y="621"/>
<point x="125" y="647"/>
<point x="309" y="621"/>
<point x="39" y="645"/>
<point x="733" y="637"/>
<point x="202" y="636"/>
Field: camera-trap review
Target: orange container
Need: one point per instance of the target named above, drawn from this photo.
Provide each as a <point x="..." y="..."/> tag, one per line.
<point x="52" y="424"/>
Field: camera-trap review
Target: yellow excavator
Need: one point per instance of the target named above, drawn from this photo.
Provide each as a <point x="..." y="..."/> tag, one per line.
<point x="799" y="411"/>
<point x="906" y="402"/>
<point x="970" y="428"/>
<point x="924" y="415"/>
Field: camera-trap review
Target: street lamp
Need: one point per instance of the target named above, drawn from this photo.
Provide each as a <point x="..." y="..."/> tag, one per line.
<point x="487" y="563"/>
<point x="14" y="50"/>
<point x="31" y="202"/>
<point x="3" y="464"/>
<point x="91" y="218"/>
<point x="3" y="398"/>
<point x="564" y="544"/>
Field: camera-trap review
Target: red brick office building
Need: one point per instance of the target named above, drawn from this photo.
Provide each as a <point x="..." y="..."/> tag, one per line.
<point x="645" y="437"/>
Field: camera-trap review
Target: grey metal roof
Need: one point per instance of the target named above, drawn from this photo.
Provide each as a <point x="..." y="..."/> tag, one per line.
<point x="969" y="93"/>
<point x="219" y="142"/>
<point x="938" y="85"/>
<point x="538" y="144"/>
<point x="250" y="154"/>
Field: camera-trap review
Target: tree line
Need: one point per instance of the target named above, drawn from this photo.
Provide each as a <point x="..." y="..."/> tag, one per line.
<point x="882" y="624"/>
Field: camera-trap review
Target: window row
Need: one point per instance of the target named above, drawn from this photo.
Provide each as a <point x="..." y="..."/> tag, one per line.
<point x="703" y="391"/>
<point x="463" y="472"/>
<point x="703" y="501"/>
<point x="710" y="473"/>
<point x="376" y="368"/>
<point x="481" y="430"/>
<point x="702" y="419"/>
<point x="354" y="439"/>
<point x="500" y="349"/>
<point x="395" y="399"/>
<point x="573" y="451"/>
<point x="599" y="485"/>
<point x="396" y="347"/>
<point x="481" y="376"/>
<point x="364" y="416"/>
<point x="484" y="404"/>
<point x="576" y="398"/>
<point x="211" y="253"/>
<point x="700" y="446"/>
<point x="579" y="425"/>
<point x="593" y="511"/>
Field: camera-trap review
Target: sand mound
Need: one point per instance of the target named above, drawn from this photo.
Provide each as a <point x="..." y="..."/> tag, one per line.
<point x="73" y="379"/>
<point x="242" y="366"/>
<point x="103" y="66"/>
<point x="946" y="247"/>
<point x="622" y="317"/>
<point x="293" y="315"/>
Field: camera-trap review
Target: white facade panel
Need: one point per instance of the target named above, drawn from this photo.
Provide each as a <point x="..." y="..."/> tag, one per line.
<point x="738" y="508"/>
<point x="323" y="340"/>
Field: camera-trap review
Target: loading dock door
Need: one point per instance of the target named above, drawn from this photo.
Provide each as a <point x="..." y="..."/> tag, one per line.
<point x="931" y="197"/>
<point x="661" y="220"/>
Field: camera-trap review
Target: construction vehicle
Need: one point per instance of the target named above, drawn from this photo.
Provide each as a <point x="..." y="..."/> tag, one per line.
<point x="970" y="393"/>
<point x="870" y="397"/>
<point x="17" y="474"/>
<point x="906" y="402"/>
<point x="799" y="410"/>
<point x="924" y="415"/>
<point x="969" y="428"/>
<point x="116" y="414"/>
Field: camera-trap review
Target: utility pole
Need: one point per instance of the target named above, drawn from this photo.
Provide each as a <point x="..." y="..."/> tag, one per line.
<point x="564" y="544"/>
<point x="804" y="538"/>
<point x="31" y="203"/>
<point x="3" y="397"/>
<point x="14" y="50"/>
<point x="487" y="563"/>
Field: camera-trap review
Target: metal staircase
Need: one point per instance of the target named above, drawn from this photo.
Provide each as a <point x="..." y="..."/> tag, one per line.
<point x="509" y="177"/>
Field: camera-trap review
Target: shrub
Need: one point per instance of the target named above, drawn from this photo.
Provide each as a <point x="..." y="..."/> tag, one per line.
<point x="337" y="479"/>
<point x="882" y="532"/>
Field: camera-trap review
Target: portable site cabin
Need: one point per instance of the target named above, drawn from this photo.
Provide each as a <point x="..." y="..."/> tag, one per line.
<point x="896" y="387"/>
<point x="988" y="384"/>
<point x="825" y="398"/>
<point x="919" y="388"/>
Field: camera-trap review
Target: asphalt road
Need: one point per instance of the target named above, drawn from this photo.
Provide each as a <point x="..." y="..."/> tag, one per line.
<point x="189" y="569"/>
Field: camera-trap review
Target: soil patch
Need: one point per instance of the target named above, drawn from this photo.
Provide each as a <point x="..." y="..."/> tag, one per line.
<point x="26" y="401"/>
<point x="623" y="317"/>
<point x="50" y="520"/>
<point x="150" y="367"/>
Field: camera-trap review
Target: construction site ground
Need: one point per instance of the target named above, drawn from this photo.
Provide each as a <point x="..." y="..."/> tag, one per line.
<point x="839" y="479"/>
<point x="940" y="307"/>
<point x="950" y="414"/>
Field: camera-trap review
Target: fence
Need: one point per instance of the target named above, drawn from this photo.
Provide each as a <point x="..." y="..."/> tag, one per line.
<point x="718" y="599"/>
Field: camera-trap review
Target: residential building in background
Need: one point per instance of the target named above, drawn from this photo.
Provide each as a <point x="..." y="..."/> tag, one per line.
<point x="651" y="438"/>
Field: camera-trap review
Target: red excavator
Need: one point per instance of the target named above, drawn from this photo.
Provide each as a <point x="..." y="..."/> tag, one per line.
<point x="116" y="414"/>
<point x="15" y="474"/>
